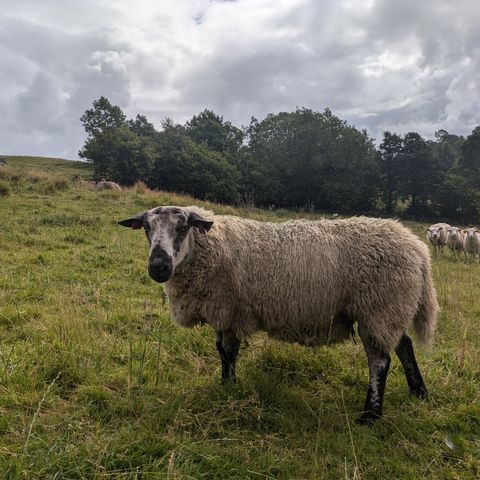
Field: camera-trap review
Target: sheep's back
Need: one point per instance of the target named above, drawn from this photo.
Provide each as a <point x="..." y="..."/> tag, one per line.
<point x="303" y="281"/>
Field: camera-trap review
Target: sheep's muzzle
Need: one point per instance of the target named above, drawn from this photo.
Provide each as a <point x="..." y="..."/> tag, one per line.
<point x="160" y="268"/>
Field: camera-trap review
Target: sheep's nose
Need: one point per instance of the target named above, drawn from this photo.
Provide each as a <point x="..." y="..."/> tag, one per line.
<point x="160" y="269"/>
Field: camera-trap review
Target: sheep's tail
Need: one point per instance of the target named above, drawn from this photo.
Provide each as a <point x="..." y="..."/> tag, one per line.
<point x="426" y="318"/>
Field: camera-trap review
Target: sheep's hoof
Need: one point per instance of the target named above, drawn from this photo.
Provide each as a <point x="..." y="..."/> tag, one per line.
<point x="228" y="380"/>
<point x="368" y="418"/>
<point x="420" y="392"/>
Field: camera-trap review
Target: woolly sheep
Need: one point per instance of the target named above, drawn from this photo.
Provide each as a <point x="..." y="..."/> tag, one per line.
<point x="437" y="236"/>
<point x="300" y="281"/>
<point x="455" y="239"/>
<point x="471" y="242"/>
<point x="106" y="185"/>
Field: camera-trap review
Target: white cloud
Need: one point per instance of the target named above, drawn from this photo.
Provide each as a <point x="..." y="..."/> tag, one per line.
<point x="380" y="64"/>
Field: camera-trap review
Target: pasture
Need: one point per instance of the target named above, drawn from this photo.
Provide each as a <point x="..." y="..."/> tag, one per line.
<point x="96" y="383"/>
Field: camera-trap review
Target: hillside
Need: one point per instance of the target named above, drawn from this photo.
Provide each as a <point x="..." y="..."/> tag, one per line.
<point x="56" y="166"/>
<point x="96" y="382"/>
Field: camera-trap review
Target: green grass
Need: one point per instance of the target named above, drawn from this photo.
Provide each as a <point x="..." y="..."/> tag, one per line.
<point x="56" y="166"/>
<point x="96" y="383"/>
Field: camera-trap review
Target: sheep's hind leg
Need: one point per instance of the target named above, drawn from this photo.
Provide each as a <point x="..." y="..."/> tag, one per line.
<point x="378" y="365"/>
<point x="405" y="353"/>
<point x="228" y="345"/>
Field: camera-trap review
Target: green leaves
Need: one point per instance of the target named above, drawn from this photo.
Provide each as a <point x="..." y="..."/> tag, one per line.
<point x="303" y="159"/>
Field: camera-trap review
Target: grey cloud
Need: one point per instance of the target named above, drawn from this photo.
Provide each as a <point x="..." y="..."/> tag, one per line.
<point x="380" y="64"/>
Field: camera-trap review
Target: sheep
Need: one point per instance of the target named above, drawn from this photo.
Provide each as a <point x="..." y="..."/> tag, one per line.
<point x="471" y="242"/>
<point x="300" y="281"/>
<point x="437" y="236"/>
<point x="455" y="240"/>
<point x="107" y="185"/>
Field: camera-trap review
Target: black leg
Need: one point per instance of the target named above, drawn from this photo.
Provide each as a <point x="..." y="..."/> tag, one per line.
<point x="378" y="365"/>
<point x="228" y="345"/>
<point x="406" y="355"/>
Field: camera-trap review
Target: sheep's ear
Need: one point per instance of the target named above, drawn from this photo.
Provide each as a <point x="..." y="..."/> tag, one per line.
<point x="440" y="228"/>
<point x="135" y="222"/>
<point x="195" y="220"/>
<point x="429" y="229"/>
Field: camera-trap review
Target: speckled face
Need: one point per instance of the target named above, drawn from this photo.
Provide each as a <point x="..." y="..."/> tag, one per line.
<point x="168" y="233"/>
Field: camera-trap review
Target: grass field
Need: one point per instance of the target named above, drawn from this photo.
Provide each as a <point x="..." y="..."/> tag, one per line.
<point x="96" y="383"/>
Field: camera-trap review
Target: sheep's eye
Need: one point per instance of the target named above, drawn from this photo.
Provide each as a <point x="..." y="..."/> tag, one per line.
<point x="146" y="226"/>
<point x="182" y="228"/>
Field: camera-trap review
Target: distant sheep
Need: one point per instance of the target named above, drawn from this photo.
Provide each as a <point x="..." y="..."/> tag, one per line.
<point x="455" y="239"/>
<point x="471" y="243"/>
<point x="300" y="281"/>
<point x="106" y="185"/>
<point x="437" y="236"/>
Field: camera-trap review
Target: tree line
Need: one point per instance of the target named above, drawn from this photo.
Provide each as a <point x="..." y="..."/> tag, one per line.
<point x="301" y="160"/>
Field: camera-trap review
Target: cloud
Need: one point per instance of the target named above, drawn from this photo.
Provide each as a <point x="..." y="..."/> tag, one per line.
<point x="380" y="64"/>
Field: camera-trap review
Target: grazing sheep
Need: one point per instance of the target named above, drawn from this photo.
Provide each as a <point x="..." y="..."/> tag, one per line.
<point x="471" y="242"/>
<point x="437" y="236"/>
<point x="455" y="240"/>
<point x="300" y="281"/>
<point x="106" y="185"/>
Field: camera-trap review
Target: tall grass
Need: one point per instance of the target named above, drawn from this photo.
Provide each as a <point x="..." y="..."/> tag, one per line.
<point x="96" y="382"/>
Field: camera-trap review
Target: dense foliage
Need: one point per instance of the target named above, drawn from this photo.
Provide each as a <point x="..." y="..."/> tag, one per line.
<point x="303" y="160"/>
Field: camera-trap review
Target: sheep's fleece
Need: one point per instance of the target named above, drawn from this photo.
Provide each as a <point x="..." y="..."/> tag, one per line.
<point x="300" y="281"/>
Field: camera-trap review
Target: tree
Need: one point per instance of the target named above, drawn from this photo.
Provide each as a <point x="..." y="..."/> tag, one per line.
<point x="461" y="195"/>
<point x="142" y="127"/>
<point x="446" y="149"/>
<point x="390" y="169"/>
<point x="103" y="116"/>
<point x="470" y="155"/>
<point x="218" y="135"/>
<point x="314" y="160"/>
<point x="183" y="165"/>
<point x="121" y="155"/>
<point x="418" y="176"/>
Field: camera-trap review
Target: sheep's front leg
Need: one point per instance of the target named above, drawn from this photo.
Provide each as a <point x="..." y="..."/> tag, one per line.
<point x="405" y="353"/>
<point x="378" y="365"/>
<point x="228" y="345"/>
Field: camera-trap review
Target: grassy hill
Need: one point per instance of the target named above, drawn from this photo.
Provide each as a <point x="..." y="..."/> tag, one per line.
<point x="56" y="166"/>
<point x="95" y="381"/>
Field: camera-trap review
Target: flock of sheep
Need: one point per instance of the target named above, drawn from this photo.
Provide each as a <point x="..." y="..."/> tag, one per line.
<point x="456" y="239"/>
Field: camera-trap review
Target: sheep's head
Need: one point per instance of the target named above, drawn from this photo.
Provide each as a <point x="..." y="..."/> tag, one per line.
<point x="453" y="232"/>
<point x="169" y="232"/>
<point x="470" y="232"/>
<point x="434" y="232"/>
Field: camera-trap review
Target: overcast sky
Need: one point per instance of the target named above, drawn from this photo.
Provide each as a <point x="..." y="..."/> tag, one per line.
<point x="408" y="65"/>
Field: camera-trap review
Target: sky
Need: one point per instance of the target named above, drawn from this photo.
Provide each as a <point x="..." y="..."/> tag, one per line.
<point x="401" y="66"/>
